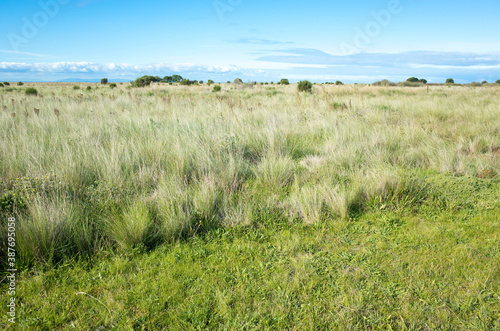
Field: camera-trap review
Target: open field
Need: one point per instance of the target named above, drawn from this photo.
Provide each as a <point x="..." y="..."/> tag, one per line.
<point x="354" y="207"/>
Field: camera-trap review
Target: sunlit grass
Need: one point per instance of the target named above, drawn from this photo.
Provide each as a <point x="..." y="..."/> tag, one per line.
<point x="351" y="207"/>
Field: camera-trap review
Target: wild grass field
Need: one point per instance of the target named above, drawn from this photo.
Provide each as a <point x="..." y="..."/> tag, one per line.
<point x="255" y="208"/>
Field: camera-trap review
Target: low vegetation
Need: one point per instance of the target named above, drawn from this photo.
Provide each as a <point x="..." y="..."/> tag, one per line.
<point x="167" y="207"/>
<point x="304" y="86"/>
<point x="31" y="91"/>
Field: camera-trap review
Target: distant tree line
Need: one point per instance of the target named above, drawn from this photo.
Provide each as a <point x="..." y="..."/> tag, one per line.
<point x="147" y="80"/>
<point x="416" y="80"/>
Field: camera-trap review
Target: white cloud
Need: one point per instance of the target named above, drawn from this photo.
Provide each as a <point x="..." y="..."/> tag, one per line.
<point x="111" y="68"/>
<point x="471" y="67"/>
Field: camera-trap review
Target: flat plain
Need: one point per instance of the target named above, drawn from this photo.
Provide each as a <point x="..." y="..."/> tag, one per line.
<point x="254" y="208"/>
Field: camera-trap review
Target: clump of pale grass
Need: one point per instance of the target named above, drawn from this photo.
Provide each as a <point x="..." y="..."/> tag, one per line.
<point x="130" y="230"/>
<point x="184" y="209"/>
<point x="275" y="172"/>
<point x="51" y="230"/>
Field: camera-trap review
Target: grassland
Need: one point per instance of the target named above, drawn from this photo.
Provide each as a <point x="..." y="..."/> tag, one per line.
<point x="169" y="207"/>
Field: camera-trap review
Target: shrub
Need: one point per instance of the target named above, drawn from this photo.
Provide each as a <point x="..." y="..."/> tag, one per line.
<point x="412" y="80"/>
<point x="1" y="84"/>
<point x="339" y="83"/>
<point x="284" y="81"/>
<point x="145" y="81"/>
<point x="31" y="91"/>
<point x="423" y="81"/>
<point x="76" y="87"/>
<point x="210" y="82"/>
<point x="6" y="83"/>
<point x="498" y="81"/>
<point x="450" y="81"/>
<point x="304" y="86"/>
<point x="217" y="88"/>
<point x="384" y="82"/>
<point x="238" y="81"/>
<point x="20" y="84"/>
<point x="112" y="85"/>
<point x="484" y="82"/>
<point x="200" y="82"/>
<point x="104" y="81"/>
<point x="88" y="88"/>
<point x="187" y="82"/>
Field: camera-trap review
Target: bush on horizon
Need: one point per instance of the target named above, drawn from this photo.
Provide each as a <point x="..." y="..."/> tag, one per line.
<point x="305" y="86"/>
<point x="31" y="91"/>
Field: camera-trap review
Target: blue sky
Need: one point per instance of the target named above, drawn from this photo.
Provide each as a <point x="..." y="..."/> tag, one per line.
<point x="353" y="41"/>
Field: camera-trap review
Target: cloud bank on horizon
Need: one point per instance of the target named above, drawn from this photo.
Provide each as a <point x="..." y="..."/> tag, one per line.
<point x="302" y="63"/>
<point x="358" y="41"/>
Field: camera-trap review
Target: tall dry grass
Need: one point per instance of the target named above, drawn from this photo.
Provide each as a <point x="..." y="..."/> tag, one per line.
<point x="134" y="169"/>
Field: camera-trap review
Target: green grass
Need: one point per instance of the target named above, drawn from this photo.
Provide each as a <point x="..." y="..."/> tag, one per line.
<point x="176" y="208"/>
<point x="435" y="268"/>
